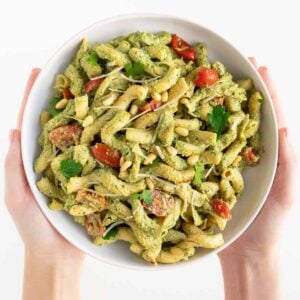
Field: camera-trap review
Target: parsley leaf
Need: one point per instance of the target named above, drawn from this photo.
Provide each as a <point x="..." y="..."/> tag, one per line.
<point x="218" y="119"/>
<point x="155" y="163"/>
<point x="52" y="110"/>
<point x="70" y="168"/>
<point x="135" y="69"/>
<point x="261" y="100"/>
<point x="199" y="168"/>
<point x="112" y="233"/>
<point x="145" y="195"/>
<point x="92" y="59"/>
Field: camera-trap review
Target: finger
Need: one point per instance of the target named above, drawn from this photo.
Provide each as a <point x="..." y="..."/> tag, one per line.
<point x="15" y="180"/>
<point x="34" y="74"/>
<point x="263" y="71"/>
<point x="253" y="61"/>
<point x="285" y="154"/>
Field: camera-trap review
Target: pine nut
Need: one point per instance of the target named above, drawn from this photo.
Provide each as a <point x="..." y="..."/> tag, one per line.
<point x="121" y="161"/>
<point x="181" y="131"/>
<point x="61" y="104"/>
<point x="184" y="101"/>
<point x="192" y="160"/>
<point x="164" y="96"/>
<point x="87" y="121"/>
<point x="110" y="99"/>
<point x="172" y="150"/>
<point x="133" y="109"/>
<point x="126" y="164"/>
<point x="156" y="96"/>
<point x="150" y="158"/>
<point x="150" y="184"/>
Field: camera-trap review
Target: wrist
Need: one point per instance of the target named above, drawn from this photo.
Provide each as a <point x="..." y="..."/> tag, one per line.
<point x="251" y="275"/>
<point x="248" y="256"/>
<point x="55" y="276"/>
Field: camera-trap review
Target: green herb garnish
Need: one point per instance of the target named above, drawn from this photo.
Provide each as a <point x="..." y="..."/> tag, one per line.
<point x="112" y="233"/>
<point x="155" y="163"/>
<point x="145" y="195"/>
<point x="218" y="119"/>
<point x="92" y="59"/>
<point x="261" y="100"/>
<point x="52" y="103"/>
<point x="135" y="69"/>
<point x="70" y="168"/>
<point x="199" y="168"/>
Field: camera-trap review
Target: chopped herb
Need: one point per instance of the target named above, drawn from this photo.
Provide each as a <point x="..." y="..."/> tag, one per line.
<point x="112" y="233"/>
<point x="52" y="103"/>
<point x="218" y="119"/>
<point x="70" y="168"/>
<point x="155" y="163"/>
<point x="92" y="59"/>
<point x="199" y="168"/>
<point x="261" y="100"/>
<point x="135" y="69"/>
<point x="145" y="195"/>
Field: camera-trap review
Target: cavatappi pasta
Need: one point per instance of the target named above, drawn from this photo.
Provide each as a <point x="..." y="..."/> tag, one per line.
<point x="145" y="140"/>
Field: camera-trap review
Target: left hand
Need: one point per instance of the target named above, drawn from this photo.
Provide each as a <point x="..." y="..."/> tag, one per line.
<point x="39" y="237"/>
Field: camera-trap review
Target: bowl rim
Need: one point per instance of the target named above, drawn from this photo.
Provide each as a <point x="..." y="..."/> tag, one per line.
<point x="27" y="164"/>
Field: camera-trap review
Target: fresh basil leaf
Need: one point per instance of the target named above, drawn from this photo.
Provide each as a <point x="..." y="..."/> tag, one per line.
<point x="112" y="233"/>
<point x="92" y="59"/>
<point x="145" y="195"/>
<point x="135" y="69"/>
<point x="261" y="100"/>
<point x="52" y="103"/>
<point x="218" y="119"/>
<point x="199" y="168"/>
<point x="70" y="168"/>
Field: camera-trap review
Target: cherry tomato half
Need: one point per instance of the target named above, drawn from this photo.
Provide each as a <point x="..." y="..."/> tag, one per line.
<point x="221" y="208"/>
<point x="92" y="85"/>
<point x="67" y="94"/>
<point x="65" y="135"/>
<point x="206" y="77"/>
<point x="91" y="199"/>
<point x="150" y="106"/>
<point x="161" y="205"/>
<point x="183" y="48"/>
<point x="106" y="155"/>
<point x="94" y="226"/>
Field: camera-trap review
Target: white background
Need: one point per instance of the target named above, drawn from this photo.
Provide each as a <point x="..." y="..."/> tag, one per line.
<point x="31" y="31"/>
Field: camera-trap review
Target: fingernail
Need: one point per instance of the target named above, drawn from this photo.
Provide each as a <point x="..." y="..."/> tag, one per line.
<point x="264" y="68"/>
<point x="11" y="135"/>
<point x="284" y="131"/>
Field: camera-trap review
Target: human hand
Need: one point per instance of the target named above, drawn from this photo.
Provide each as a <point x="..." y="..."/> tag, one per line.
<point x="52" y="264"/>
<point x="36" y="232"/>
<point x="262" y="236"/>
<point x="250" y="264"/>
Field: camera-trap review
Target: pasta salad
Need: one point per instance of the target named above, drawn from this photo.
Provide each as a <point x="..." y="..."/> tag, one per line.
<point x="145" y="141"/>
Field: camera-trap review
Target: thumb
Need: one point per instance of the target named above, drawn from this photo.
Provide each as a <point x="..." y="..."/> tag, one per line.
<point x="15" y="179"/>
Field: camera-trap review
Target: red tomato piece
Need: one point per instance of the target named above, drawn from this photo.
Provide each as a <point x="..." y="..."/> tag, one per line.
<point x="221" y="208"/>
<point x="151" y="106"/>
<point x="67" y="94"/>
<point x="183" y="48"/>
<point x="107" y="155"/>
<point x="250" y="156"/>
<point x="94" y="226"/>
<point x="65" y="135"/>
<point x="206" y="77"/>
<point x="92" y="85"/>
<point x="91" y="199"/>
<point x="162" y="203"/>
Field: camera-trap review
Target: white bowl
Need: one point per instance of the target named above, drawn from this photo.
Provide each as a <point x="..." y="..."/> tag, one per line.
<point x="258" y="180"/>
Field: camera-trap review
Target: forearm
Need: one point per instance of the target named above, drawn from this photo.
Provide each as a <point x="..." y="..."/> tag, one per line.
<point x="254" y="277"/>
<point x="51" y="277"/>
